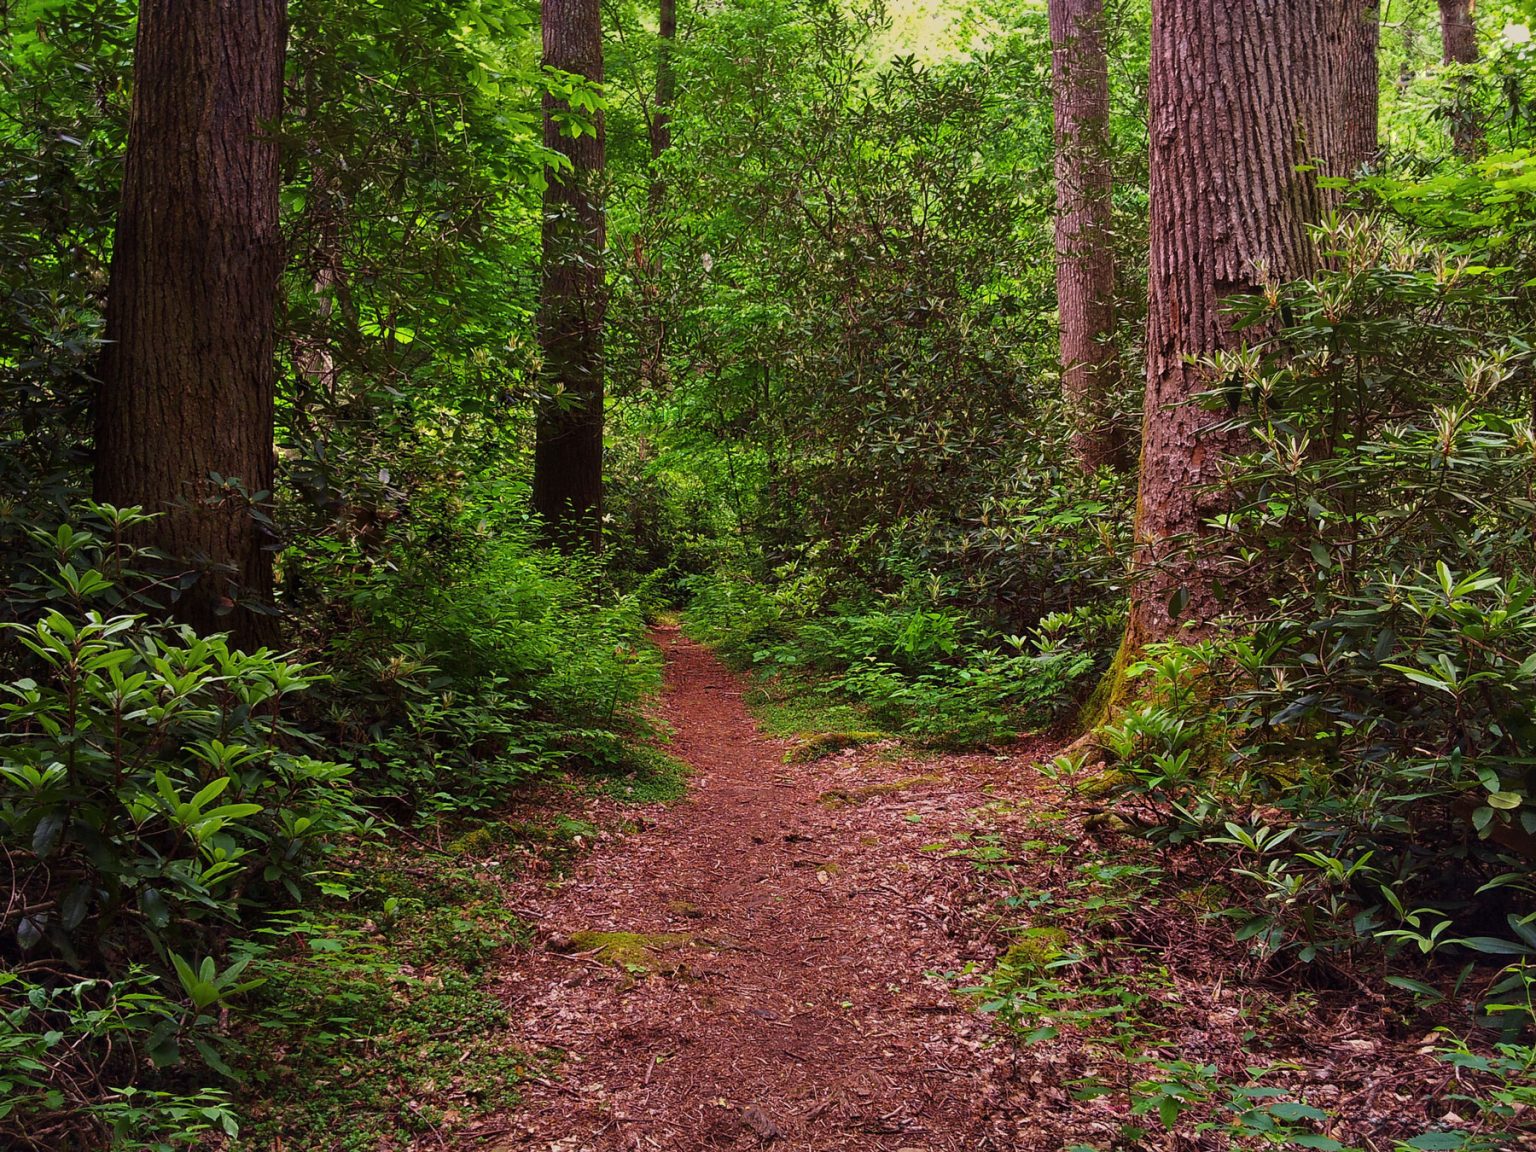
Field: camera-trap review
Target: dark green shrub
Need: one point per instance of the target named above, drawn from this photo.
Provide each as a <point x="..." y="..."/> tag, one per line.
<point x="1365" y="747"/>
<point x="155" y="797"/>
<point x="471" y="666"/>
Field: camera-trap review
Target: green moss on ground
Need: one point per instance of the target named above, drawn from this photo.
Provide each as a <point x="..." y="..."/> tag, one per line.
<point x="377" y="1023"/>
<point x="376" y="1020"/>
<point x="632" y="951"/>
<point x="644" y="774"/>
<point x="785" y="707"/>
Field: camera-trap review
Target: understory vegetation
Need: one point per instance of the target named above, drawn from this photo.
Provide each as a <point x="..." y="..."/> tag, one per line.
<point x="197" y="831"/>
<point x="254" y="869"/>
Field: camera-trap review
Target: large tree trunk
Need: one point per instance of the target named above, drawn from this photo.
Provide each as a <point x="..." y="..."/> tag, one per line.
<point x="666" y="92"/>
<point x="187" y="375"/>
<point x="568" y="453"/>
<point x="1357" y="82"/>
<point x="1230" y="116"/>
<point x="1458" y="36"/>
<point x="1085" y="269"/>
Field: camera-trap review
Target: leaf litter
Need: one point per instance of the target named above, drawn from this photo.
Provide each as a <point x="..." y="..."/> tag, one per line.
<point x="754" y="966"/>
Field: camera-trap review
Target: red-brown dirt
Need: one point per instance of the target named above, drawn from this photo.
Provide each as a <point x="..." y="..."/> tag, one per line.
<point x="789" y="925"/>
<point x="793" y="1004"/>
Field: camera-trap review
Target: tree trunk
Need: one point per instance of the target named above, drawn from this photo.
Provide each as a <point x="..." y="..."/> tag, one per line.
<point x="666" y="92"/>
<point x="1229" y="118"/>
<point x="1357" y="81"/>
<point x="568" y="452"/>
<point x="1085" y="270"/>
<point x="1458" y="37"/>
<point x="188" y="375"/>
<point x="1406" y="72"/>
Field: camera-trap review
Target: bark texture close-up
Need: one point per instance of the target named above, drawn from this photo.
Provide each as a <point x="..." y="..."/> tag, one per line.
<point x="1085" y="268"/>
<point x="1231" y="198"/>
<point x="187" y="375"/>
<point x="1356" y="42"/>
<point x="568" y="452"/>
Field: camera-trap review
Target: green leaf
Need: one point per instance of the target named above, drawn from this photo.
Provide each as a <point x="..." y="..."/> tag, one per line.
<point x="1418" y="987"/>
<point x="1168" y="1110"/>
<point x="28" y="932"/>
<point x="211" y="1057"/>
<point x="152" y="904"/>
<point x="1291" y="1110"/>
<point x="76" y="905"/>
<point x="211" y="791"/>
<point x="1177" y="603"/>
<point x="45" y="837"/>
<point x="1494" y="946"/>
<point x="165" y="1052"/>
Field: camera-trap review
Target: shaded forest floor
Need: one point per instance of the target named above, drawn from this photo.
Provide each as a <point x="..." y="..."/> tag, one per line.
<point x="751" y="967"/>
<point x="775" y="960"/>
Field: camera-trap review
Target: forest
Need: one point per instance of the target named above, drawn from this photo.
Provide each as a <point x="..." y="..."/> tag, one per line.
<point x="848" y="575"/>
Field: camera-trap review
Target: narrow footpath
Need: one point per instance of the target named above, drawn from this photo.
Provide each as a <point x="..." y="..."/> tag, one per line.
<point x="775" y="983"/>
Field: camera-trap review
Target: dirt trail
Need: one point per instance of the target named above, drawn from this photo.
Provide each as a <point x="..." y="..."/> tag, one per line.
<point x="789" y="1006"/>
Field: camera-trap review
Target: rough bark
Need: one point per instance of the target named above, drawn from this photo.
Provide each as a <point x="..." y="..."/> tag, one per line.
<point x="568" y="452"/>
<point x="1356" y="86"/>
<point x="1458" y="38"/>
<point x="666" y="92"/>
<point x="188" y="376"/>
<point x="1231" y="83"/>
<point x="1085" y="270"/>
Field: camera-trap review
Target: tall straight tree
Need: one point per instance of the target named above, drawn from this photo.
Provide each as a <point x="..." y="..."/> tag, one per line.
<point x="185" y="404"/>
<point x="1231" y="198"/>
<point x="568" y="450"/>
<point x="1085" y="268"/>
<point x="1458" y="41"/>
<point x="666" y="93"/>
<point x="1357" y="82"/>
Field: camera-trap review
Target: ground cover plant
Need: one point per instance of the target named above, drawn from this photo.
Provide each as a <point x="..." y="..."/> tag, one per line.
<point x="925" y="672"/>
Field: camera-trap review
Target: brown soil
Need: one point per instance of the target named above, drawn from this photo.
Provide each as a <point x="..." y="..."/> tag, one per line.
<point x="779" y="989"/>
<point x="761" y="965"/>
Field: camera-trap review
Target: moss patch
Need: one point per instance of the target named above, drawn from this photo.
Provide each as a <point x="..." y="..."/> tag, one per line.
<point x="379" y="999"/>
<point x="824" y="744"/>
<point x="631" y="951"/>
<point x="644" y="774"/>
<point x="1109" y="695"/>
<point x="557" y="841"/>
<point x="793" y="708"/>
<point x="840" y="797"/>
<point x="481" y="841"/>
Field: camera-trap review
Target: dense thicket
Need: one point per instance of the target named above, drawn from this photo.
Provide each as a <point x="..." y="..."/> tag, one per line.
<point x="1160" y="371"/>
